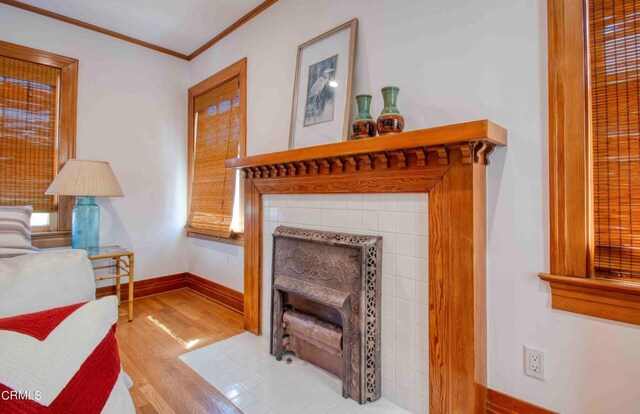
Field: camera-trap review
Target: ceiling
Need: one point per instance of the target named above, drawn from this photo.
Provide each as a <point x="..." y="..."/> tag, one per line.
<point x="179" y="25"/>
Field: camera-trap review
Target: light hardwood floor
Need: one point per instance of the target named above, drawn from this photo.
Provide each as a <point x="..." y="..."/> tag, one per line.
<point x="165" y="326"/>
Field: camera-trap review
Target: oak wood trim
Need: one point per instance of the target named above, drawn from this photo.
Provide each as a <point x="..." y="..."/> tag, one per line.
<point x="226" y="32"/>
<point x="88" y="26"/>
<point x="69" y="20"/>
<point x="146" y="287"/>
<point x="569" y="183"/>
<point x="602" y="298"/>
<point x="216" y="292"/>
<point x="484" y="130"/>
<point x="58" y="234"/>
<point x="237" y="69"/>
<point x="223" y="295"/>
<point x="46" y="240"/>
<point x="573" y="285"/>
<point x="500" y="403"/>
<point x="457" y="291"/>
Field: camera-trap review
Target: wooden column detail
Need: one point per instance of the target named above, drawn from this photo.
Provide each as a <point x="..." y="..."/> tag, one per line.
<point x="449" y="163"/>
<point x="457" y="292"/>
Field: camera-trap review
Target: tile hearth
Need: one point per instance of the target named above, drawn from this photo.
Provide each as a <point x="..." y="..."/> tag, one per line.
<point x="242" y="369"/>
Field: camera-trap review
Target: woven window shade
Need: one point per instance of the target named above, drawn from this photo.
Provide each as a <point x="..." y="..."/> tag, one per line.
<point x="217" y="138"/>
<point x="614" y="45"/>
<point x="28" y="133"/>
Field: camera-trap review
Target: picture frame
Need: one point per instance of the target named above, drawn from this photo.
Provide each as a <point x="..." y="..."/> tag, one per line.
<point x="320" y="113"/>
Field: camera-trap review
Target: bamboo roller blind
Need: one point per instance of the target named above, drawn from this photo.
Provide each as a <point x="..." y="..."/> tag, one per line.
<point x="614" y="47"/>
<point x="217" y="137"/>
<point x="28" y="133"/>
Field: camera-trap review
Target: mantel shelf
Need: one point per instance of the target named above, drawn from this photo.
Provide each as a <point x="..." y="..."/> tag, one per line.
<point x="483" y="131"/>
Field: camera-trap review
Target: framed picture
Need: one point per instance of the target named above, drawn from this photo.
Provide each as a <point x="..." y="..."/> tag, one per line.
<point x="322" y="89"/>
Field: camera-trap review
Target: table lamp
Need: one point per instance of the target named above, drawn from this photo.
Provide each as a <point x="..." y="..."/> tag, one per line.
<point x="86" y="180"/>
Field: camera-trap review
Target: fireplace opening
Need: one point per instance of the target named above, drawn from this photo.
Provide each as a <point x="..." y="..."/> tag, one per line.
<point x="326" y="305"/>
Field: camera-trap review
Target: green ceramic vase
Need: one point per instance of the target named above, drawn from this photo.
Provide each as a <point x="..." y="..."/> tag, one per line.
<point x="363" y="126"/>
<point x="390" y="121"/>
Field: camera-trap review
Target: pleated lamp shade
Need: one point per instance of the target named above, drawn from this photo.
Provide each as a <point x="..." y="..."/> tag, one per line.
<point x="86" y="178"/>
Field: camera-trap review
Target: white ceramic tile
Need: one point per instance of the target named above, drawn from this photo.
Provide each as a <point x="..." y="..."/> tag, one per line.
<point x="341" y="218"/>
<point x="421" y="338"/>
<point x="405" y="376"/>
<point x="421" y="271"/>
<point x="405" y="332"/>
<point x="258" y="407"/>
<point x="354" y="202"/>
<point x="244" y="400"/>
<point x="404" y="398"/>
<point x="387" y="202"/>
<point x="422" y="315"/>
<point x="422" y="292"/>
<point x="234" y="390"/>
<point x="406" y="244"/>
<point x="326" y="218"/>
<point x="405" y="310"/>
<point x="421" y="361"/>
<point x="401" y="220"/>
<point x="388" y="305"/>
<point x="405" y="288"/>
<point x="420" y="405"/>
<point x="276" y="386"/>
<point x="370" y="202"/>
<point x="388" y="369"/>
<point x="354" y="218"/>
<point x="406" y="203"/>
<point x="406" y="223"/>
<point x="421" y="386"/>
<point x="370" y="220"/>
<point x="404" y="354"/>
<point x="421" y="246"/>
<point x="405" y="266"/>
<point x="387" y="221"/>
<point x="422" y="224"/>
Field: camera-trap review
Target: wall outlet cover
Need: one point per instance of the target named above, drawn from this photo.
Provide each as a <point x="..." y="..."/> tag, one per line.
<point x="534" y="361"/>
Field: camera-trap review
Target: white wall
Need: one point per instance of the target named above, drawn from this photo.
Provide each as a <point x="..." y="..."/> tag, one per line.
<point x="132" y="113"/>
<point x="455" y="61"/>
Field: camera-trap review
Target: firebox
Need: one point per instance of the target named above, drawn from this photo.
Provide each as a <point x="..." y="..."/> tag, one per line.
<point x="326" y="305"/>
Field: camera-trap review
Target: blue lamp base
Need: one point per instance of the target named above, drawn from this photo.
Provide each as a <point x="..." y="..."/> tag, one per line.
<point x="85" y="230"/>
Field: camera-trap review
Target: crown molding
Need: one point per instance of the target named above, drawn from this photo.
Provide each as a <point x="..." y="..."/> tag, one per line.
<point x="244" y="19"/>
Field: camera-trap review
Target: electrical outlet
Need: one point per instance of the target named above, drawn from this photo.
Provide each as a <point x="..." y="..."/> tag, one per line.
<point x="534" y="363"/>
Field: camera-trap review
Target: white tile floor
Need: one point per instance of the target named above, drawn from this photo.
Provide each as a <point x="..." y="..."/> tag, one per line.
<point x="243" y="370"/>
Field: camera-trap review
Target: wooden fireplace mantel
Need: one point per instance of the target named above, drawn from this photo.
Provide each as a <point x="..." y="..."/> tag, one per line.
<point x="449" y="163"/>
<point x="436" y="139"/>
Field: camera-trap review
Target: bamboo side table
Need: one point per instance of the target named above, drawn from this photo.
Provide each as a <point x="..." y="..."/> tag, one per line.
<point x="122" y="262"/>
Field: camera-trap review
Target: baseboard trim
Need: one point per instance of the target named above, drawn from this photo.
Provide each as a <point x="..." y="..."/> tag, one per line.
<point x="216" y="292"/>
<point x="146" y="287"/>
<point x="230" y="298"/>
<point x="499" y="403"/>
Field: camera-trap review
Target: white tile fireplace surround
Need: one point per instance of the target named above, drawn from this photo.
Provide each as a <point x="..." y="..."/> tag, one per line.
<point x="401" y="220"/>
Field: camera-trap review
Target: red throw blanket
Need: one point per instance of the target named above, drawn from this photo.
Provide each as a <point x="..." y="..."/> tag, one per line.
<point x="63" y="360"/>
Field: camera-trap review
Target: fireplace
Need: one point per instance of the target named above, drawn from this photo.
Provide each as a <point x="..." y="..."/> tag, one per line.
<point x="326" y="305"/>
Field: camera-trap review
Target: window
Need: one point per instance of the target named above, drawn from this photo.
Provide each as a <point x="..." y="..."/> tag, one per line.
<point x="594" y="168"/>
<point x="216" y="133"/>
<point x="37" y="135"/>
<point x="614" y="52"/>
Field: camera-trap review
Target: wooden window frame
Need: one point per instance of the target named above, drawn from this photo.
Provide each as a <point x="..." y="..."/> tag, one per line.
<point x="59" y="230"/>
<point x="571" y="277"/>
<point x="239" y="70"/>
